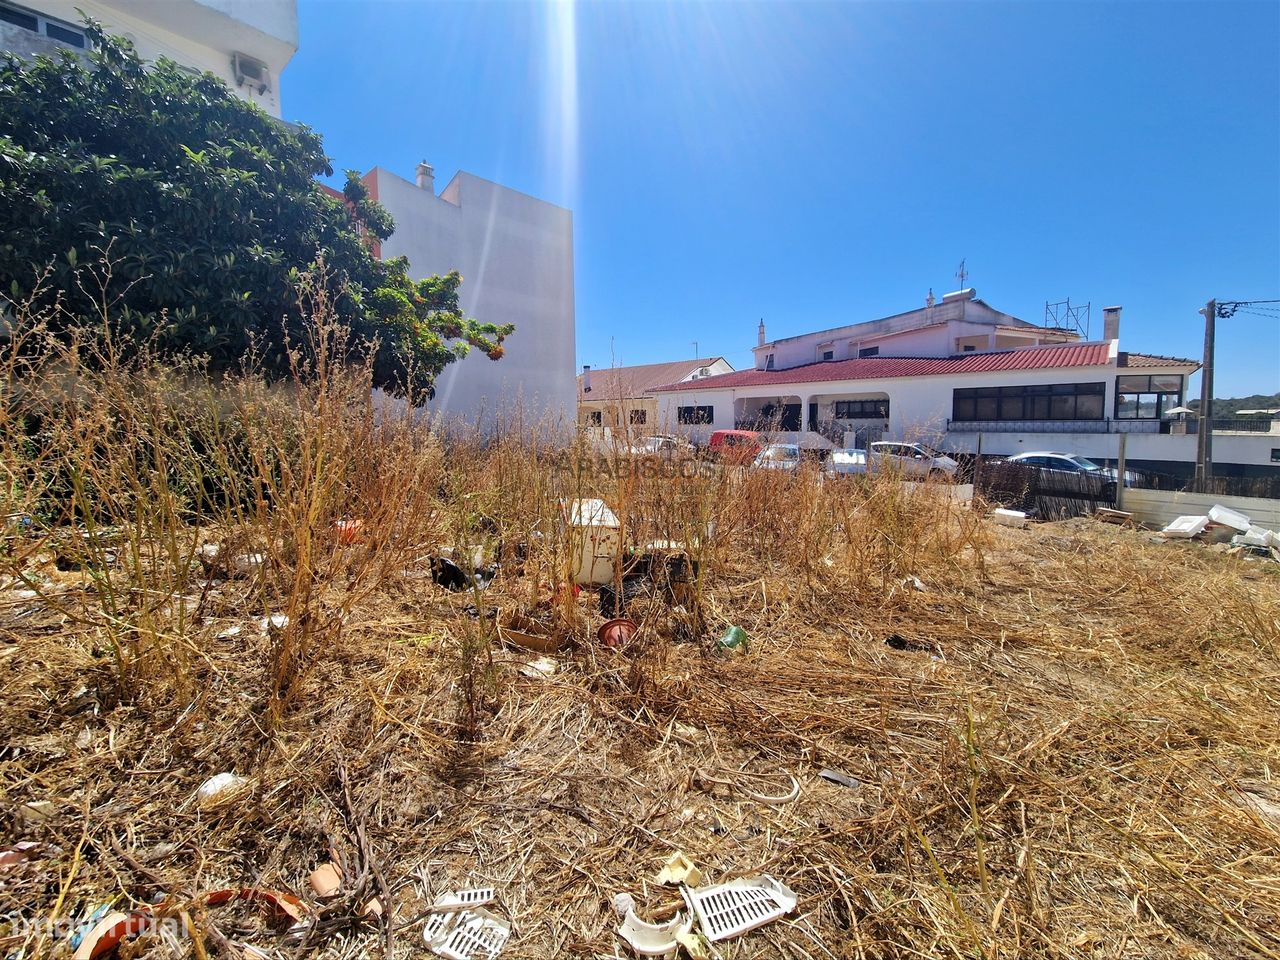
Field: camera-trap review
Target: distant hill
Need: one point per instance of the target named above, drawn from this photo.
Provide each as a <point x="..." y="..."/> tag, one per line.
<point x="1230" y="406"/>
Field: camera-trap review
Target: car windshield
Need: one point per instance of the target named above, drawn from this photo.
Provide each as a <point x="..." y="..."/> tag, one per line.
<point x="1083" y="463"/>
<point x="781" y="453"/>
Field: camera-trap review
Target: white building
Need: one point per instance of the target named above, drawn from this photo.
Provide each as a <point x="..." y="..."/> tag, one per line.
<point x="966" y="377"/>
<point x="245" y="42"/>
<point x="515" y="254"/>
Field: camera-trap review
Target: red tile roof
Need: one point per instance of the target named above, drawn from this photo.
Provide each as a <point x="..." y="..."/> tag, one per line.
<point x="619" y="383"/>
<point x="875" y="368"/>
<point x="1126" y="359"/>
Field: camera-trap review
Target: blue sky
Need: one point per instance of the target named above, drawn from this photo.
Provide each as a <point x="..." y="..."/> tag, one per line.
<point x="821" y="164"/>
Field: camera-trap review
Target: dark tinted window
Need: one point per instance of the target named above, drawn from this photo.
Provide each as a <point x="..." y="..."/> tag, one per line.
<point x="19" y="18"/>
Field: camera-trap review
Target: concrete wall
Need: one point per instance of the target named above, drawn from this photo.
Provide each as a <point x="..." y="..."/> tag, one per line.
<point x="199" y="34"/>
<point x="515" y="254"/>
<point x="1159" y="508"/>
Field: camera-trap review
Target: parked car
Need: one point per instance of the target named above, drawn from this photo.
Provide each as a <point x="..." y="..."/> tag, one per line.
<point x="735" y="446"/>
<point x="1069" y="473"/>
<point x="662" y="445"/>
<point x="914" y="460"/>
<point x="845" y="463"/>
<point x="780" y="456"/>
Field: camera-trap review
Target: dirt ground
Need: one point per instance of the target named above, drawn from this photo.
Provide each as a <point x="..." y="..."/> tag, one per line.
<point x="1071" y="752"/>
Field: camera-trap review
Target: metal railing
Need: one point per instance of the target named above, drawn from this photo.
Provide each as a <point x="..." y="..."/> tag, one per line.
<point x="1053" y="426"/>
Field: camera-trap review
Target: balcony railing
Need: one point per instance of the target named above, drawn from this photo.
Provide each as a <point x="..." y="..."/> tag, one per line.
<point x="1054" y="426"/>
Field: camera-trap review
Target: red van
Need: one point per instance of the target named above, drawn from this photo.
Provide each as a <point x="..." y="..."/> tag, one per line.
<point x="735" y="446"/>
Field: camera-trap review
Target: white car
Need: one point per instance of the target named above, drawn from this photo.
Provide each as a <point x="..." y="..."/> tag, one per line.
<point x="780" y="456"/>
<point x="911" y="460"/>
<point x="844" y="463"/>
<point x="661" y="446"/>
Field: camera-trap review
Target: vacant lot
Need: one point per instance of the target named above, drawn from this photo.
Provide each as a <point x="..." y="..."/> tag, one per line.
<point x="1059" y="741"/>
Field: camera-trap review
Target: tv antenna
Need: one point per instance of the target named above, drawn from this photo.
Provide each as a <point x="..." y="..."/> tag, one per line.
<point x="962" y="274"/>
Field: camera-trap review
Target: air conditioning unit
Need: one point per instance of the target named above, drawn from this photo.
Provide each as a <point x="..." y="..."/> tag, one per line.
<point x="250" y="71"/>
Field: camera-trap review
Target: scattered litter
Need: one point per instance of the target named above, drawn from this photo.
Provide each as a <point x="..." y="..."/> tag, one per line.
<point x="596" y="543"/>
<point x="529" y="634"/>
<point x="1108" y="515"/>
<point x="248" y="564"/>
<point x="915" y="583"/>
<point x="452" y="577"/>
<point x="462" y="899"/>
<point x="372" y="910"/>
<point x="470" y="934"/>
<point x="1009" y="518"/>
<point x="1184" y="528"/>
<point x="731" y="909"/>
<point x="285" y="904"/>
<point x="679" y="869"/>
<point x="208" y="555"/>
<point x="220" y="789"/>
<point x="326" y="880"/>
<point x="273" y="625"/>
<point x="623" y="903"/>
<point x="18" y="853"/>
<point x="616" y="633"/>
<point x="232" y="631"/>
<point x="1229" y="518"/>
<point x="348" y="532"/>
<point x="652" y="939"/>
<point x="38" y="811"/>
<point x="734" y="778"/>
<point x="109" y="932"/>
<point x="542" y="667"/>
<point x="899" y="642"/>
<point x="843" y="779"/>
<point x="733" y="640"/>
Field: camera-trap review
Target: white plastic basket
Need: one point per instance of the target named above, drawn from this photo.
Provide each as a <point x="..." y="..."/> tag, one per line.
<point x="731" y="909"/>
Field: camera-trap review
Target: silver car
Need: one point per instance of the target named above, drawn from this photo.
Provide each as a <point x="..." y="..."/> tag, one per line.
<point x="915" y="460"/>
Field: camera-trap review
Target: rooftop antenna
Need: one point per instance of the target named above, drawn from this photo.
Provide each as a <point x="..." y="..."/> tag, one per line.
<point x="695" y="348"/>
<point x="962" y="274"/>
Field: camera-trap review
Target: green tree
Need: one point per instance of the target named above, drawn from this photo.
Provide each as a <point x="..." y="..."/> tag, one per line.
<point x="210" y="210"/>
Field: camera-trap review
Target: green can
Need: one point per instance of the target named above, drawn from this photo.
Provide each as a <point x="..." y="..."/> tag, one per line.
<point x="733" y="640"/>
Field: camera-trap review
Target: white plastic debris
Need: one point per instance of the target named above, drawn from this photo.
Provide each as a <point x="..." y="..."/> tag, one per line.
<point x="220" y="788"/>
<point x="248" y="564"/>
<point x="1229" y="518"/>
<point x="1009" y="518"/>
<point x="276" y="623"/>
<point x="474" y="934"/>
<point x="461" y="899"/>
<point x="1253" y="537"/>
<point x="652" y="939"/>
<point x="731" y="909"/>
<point x="1184" y="528"/>
<point x="542" y="667"/>
<point x="623" y="903"/>
<point x="229" y="633"/>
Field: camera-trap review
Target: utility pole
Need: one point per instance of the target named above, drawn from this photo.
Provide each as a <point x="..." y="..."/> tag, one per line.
<point x="1204" y="433"/>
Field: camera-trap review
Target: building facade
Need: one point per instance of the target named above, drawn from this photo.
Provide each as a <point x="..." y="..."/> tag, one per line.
<point x="618" y="397"/>
<point x="969" y="379"/>
<point x="515" y="254"/>
<point x="247" y="43"/>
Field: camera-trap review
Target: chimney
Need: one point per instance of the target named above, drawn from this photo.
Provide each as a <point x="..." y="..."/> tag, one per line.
<point x="1111" y="323"/>
<point x="586" y="378"/>
<point x="760" y="333"/>
<point x="929" y="301"/>
<point x="426" y="177"/>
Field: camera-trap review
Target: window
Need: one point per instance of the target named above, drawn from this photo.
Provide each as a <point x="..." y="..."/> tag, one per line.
<point x="869" y="352"/>
<point x="768" y="362"/>
<point x="1275" y="454"/>
<point x="694" y="415"/>
<point x="638" y="417"/>
<point x="1147" y="398"/>
<point x="594" y="418"/>
<point x="861" y="409"/>
<point x="1050" y="401"/>
<point x="969" y="348"/>
<point x="38" y="23"/>
<point x="828" y="354"/>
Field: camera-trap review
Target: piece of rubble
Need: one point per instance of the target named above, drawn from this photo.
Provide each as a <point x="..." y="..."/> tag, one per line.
<point x="1186" y="527"/>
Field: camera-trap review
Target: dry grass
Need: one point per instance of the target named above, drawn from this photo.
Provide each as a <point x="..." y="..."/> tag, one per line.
<point x="1073" y="756"/>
